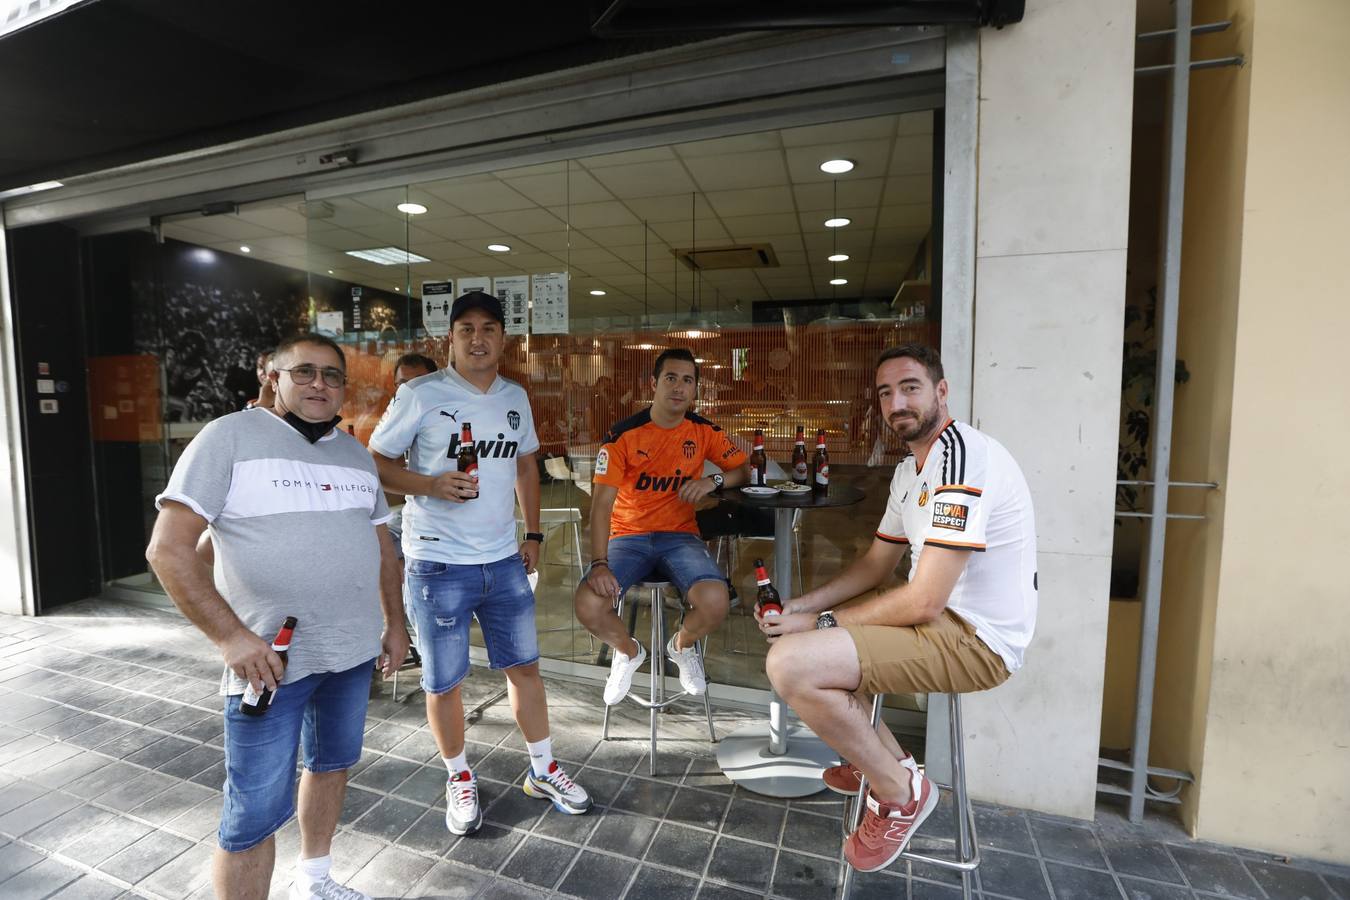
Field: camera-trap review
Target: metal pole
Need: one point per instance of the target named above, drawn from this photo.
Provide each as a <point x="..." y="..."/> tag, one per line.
<point x="782" y="577"/>
<point x="1162" y="409"/>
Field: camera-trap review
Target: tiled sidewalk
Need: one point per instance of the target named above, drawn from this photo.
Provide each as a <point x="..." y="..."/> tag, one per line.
<point x="110" y="765"/>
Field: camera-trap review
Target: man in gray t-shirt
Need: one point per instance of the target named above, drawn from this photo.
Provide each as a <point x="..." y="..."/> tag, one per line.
<point x="297" y="519"/>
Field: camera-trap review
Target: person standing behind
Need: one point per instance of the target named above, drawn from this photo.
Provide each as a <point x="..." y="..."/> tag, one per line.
<point x="297" y="517"/>
<point x="648" y="477"/>
<point x="462" y="559"/>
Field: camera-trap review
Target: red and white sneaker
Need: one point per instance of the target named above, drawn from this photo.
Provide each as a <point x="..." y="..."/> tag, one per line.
<point x="462" y="813"/>
<point x="885" y="830"/>
<point x="844" y="778"/>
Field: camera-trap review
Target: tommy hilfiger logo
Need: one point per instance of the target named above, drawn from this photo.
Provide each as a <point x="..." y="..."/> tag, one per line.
<point x="320" y="485"/>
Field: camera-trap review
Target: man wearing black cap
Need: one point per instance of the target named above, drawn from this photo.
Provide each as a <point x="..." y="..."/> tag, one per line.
<point x="459" y="540"/>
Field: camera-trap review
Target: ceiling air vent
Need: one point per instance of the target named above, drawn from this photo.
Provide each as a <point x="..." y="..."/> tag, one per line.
<point x="732" y="256"/>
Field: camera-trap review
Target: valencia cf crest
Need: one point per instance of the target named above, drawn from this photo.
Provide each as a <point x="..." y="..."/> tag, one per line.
<point x="513" y="419"/>
<point x="923" y="495"/>
<point x="689" y="449"/>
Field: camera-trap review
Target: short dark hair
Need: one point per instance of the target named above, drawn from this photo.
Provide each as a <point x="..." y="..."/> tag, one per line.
<point x="310" y="337"/>
<point x="923" y="355"/>
<point x="674" y="353"/>
<point x="416" y="360"/>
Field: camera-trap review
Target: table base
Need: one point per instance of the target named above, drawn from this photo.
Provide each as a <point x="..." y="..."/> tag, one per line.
<point x="744" y="757"/>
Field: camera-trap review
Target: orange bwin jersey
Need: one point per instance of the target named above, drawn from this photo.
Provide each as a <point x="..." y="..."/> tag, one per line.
<point x="648" y="464"/>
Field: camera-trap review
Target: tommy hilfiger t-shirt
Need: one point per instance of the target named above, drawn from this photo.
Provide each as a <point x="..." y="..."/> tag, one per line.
<point x="293" y="525"/>
<point x="971" y="495"/>
<point x="424" y="420"/>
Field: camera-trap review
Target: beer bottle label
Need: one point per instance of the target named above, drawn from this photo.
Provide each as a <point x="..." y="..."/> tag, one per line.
<point x="251" y="697"/>
<point x="799" y="471"/>
<point x="823" y="475"/>
<point x="472" y="471"/>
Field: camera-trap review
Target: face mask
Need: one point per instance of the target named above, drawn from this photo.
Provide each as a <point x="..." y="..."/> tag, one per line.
<point x="312" y="431"/>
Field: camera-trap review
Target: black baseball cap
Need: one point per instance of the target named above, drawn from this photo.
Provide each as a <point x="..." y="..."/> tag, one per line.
<point x="477" y="300"/>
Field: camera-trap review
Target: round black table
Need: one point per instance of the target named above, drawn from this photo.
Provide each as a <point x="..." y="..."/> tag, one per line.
<point x="775" y="759"/>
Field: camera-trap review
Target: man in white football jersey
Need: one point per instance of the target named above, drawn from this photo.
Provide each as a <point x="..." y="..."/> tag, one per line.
<point x="459" y="542"/>
<point x="961" y="623"/>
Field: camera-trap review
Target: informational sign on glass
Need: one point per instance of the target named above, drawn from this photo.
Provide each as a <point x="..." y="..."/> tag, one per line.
<point x="476" y="283"/>
<point x="436" y="298"/>
<point x="549" y="293"/>
<point x="514" y="292"/>
<point x="330" y="323"/>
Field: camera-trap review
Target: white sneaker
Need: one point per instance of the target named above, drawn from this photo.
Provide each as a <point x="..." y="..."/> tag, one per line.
<point x="621" y="672"/>
<point x="462" y="814"/>
<point x="328" y="889"/>
<point x="690" y="665"/>
<point x="566" y="794"/>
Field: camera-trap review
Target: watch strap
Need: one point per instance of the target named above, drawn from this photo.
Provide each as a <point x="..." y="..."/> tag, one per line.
<point x="534" y="536"/>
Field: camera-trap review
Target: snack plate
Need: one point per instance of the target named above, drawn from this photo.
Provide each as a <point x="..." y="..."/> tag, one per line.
<point x="755" y="490"/>
<point x="792" y="487"/>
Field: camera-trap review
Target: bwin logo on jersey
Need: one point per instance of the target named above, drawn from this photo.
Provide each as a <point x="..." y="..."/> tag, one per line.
<point x="500" y="448"/>
<point x="513" y="419"/>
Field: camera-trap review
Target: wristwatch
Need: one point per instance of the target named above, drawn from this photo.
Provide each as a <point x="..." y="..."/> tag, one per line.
<point x="826" y="620"/>
<point x="717" y="481"/>
<point x="534" y="536"/>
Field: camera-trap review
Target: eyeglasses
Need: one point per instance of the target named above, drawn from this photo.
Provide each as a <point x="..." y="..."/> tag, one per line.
<point x="332" y="376"/>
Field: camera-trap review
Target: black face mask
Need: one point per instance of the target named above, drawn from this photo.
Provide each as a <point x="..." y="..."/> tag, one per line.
<point x="312" y="431"/>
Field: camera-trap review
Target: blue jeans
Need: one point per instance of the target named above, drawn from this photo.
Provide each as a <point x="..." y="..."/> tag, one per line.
<point x="445" y="598"/>
<point x="326" y="712"/>
<point x="679" y="556"/>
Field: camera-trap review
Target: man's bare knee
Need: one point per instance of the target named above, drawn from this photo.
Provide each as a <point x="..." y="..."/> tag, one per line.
<point x="590" y="607"/>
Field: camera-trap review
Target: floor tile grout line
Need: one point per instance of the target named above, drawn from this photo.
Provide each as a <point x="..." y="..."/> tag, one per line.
<point x="1045" y="872"/>
<point x="88" y="870"/>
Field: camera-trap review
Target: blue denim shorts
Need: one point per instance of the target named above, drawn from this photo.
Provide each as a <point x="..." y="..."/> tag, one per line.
<point x="326" y="712"/>
<point x="679" y="556"/>
<point x="445" y="598"/>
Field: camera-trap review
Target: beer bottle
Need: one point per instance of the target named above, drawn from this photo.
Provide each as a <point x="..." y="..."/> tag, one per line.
<point x="759" y="463"/>
<point x="256" y="703"/>
<point x="820" y="465"/>
<point x="800" y="472"/>
<point x="767" y="602"/>
<point x="467" y="458"/>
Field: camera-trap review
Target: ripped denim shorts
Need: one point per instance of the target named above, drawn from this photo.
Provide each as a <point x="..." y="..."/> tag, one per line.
<point x="444" y="598"/>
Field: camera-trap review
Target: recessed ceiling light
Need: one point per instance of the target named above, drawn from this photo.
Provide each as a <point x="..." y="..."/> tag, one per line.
<point x="838" y="281"/>
<point x="597" y="293"/>
<point x="412" y="209"/>
<point x="499" y="248"/>
<point x="245" y="248"/>
<point x="387" y="256"/>
<point x="838" y="257"/>
<point x="397" y="288"/>
<point x="330" y="271"/>
<point x="836" y="166"/>
<point x="837" y="222"/>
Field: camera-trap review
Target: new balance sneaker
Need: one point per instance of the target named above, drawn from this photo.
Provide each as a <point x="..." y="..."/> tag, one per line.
<point x="328" y="889"/>
<point x="690" y="666"/>
<point x="844" y="778"/>
<point x="885" y="830"/>
<point x="462" y="813"/>
<point x="621" y="672"/>
<point x="567" y="796"/>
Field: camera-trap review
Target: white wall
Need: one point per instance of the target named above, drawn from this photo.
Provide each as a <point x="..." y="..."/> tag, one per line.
<point x="15" y="594"/>
<point x="1056" y="92"/>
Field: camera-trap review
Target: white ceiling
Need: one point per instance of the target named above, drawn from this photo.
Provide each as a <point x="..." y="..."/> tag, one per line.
<point x="627" y="212"/>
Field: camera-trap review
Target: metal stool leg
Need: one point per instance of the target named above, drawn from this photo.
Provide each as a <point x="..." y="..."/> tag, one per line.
<point x="658" y="671"/>
<point x="605" y="732"/>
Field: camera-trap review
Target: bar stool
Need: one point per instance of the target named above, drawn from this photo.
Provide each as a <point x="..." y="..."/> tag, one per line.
<point x="657" y="700"/>
<point x="967" y="842"/>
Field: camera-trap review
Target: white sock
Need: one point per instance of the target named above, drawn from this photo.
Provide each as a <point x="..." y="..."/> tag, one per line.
<point x="456" y="764"/>
<point x="541" y="755"/>
<point x="312" y="871"/>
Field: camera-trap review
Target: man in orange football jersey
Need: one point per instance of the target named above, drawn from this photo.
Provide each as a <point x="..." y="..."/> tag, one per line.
<point x="648" y="477"/>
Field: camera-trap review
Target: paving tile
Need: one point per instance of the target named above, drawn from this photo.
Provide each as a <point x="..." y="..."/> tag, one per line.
<point x="502" y="889"/>
<point x="390" y="873"/>
<point x="642" y="795"/>
<point x="923" y="890"/>
<point x="383" y="736"/>
<point x="487" y="848"/>
<point x="626" y="834"/>
<point x="567" y="827"/>
<point x="132" y="740"/>
<point x="385" y="774"/>
<point x="710" y="891"/>
<point x="171" y="803"/>
<point x="681" y="847"/>
<point x="19" y="793"/>
<point x="617" y="756"/>
<point x="419" y="746"/>
<point x="1002" y="829"/>
<point x="1012" y="875"/>
<point x="140" y="859"/>
<point x="133" y="793"/>
<point x="212" y="777"/>
<point x="1340" y="884"/>
<point x="42" y="880"/>
<point x="70" y="769"/>
<point x="54" y="714"/>
<point x="1067" y="843"/>
<point x="503" y="765"/>
<point x="1143" y="858"/>
<point x="14" y="858"/>
<point x="91" y="887"/>
<point x="17" y="750"/>
<point x="160" y="752"/>
<point x="184" y="874"/>
<point x="112" y="837"/>
<point x="199" y="822"/>
<point x="513" y="808"/>
<point x="389" y="818"/>
<point x="659" y="884"/>
<point x="603" y="786"/>
<point x="426" y="785"/>
<point x="1217" y="873"/>
<point x="356" y="803"/>
<point x="754" y="821"/>
<point x="540" y="861"/>
<point x="31" y="764"/>
<point x="446" y="881"/>
<point x="694" y="807"/>
<point x="18" y="707"/>
<point x="100" y="781"/>
<point x="106" y="730"/>
<point x="176" y="718"/>
<point x="805" y="877"/>
<point x="741" y="863"/>
<point x="595" y="876"/>
<point x="429" y="834"/>
<point x="1288" y="883"/>
<point x="351" y="851"/>
<point x="36" y="812"/>
<point x="1138" y="889"/>
<point x="814" y="834"/>
<point x="210" y="730"/>
<point x="198" y="759"/>
<point x="68" y="826"/>
<point x="1073" y="883"/>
